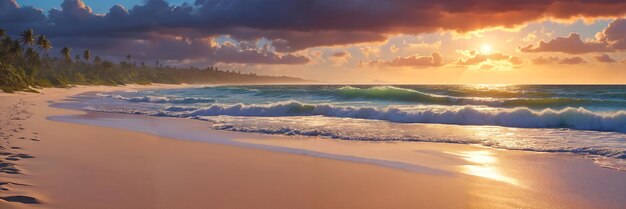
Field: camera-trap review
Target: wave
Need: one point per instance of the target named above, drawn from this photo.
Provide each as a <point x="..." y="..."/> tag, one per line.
<point x="161" y="99"/>
<point x="410" y="95"/>
<point x="597" y="151"/>
<point x="572" y="118"/>
<point x="391" y="93"/>
<point x="496" y="93"/>
<point x="605" y="156"/>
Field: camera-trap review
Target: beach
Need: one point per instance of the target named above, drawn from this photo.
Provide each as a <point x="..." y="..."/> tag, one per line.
<point x="67" y="158"/>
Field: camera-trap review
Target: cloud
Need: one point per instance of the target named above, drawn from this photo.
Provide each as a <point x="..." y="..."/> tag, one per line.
<point x="530" y="37"/>
<point x="545" y="60"/>
<point x="167" y="47"/>
<point x="394" y="49"/>
<point x="422" y="45"/>
<point x="339" y="58"/>
<point x="370" y="51"/>
<point x="476" y="58"/>
<point x="571" y="44"/>
<point x="434" y="60"/>
<point x="340" y="54"/>
<point x="231" y="53"/>
<point x="614" y="35"/>
<point x="612" y="38"/>
<point x="572" y="61"/>
<point x="541" y="60"/>
<point x="289" y="26"/>
<point x="12" y="15"/>
<point x="604" y="58"/>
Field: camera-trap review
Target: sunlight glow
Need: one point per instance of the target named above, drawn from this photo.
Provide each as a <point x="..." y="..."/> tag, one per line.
<point x="486" y="49"/>
<point x="484" y="166"/>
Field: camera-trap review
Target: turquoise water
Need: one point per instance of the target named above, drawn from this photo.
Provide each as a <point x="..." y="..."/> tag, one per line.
<point x="586" y="120"/>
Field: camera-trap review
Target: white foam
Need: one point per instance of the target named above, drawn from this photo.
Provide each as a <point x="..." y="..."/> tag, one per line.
<point x="573" y="118"/>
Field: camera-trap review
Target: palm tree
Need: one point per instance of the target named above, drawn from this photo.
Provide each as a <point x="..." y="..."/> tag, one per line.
<point x="5" y="44"/>
<point x="97" y="60"/>
<point x="32" y="57"/>
<point x="45" y="44"/>
<point x="28" y="37"/>
<point x="31" y="54"/>
<point x="15" y="49"/>
<point x="129" y="57"/>
<point x="87" y="55"/>
<point x="66" y="54"/>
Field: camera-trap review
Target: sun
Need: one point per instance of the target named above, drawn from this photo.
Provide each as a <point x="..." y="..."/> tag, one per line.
<point x="486" y="49"/>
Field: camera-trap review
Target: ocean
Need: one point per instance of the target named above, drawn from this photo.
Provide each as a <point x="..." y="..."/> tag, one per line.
<point x="588" y="120"/>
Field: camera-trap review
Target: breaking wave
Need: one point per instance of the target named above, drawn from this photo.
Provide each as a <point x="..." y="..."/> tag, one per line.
<point x="410" y="95"/>
<point x="161" y="99"/>
<point x="572" y="118"/>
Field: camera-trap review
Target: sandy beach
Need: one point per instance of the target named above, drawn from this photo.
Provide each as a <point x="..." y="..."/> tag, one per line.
<point x="62" y="158"/>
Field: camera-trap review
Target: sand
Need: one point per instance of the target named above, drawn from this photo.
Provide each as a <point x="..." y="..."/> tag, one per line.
<point x="96" y="160"/>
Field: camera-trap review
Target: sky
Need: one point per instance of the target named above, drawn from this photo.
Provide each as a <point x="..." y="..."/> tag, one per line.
<point x="350" y="41"/>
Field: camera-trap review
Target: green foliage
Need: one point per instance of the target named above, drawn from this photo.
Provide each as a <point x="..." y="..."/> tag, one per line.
<point x="87" y="55"/>
<point x="22" y="68"/>
<point x="12" y="78"/>
<point x="28" y="37"/>
<point x="66" y="54"/>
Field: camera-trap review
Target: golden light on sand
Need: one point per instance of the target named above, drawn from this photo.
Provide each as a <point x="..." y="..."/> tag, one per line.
<point x="484" y="166"/>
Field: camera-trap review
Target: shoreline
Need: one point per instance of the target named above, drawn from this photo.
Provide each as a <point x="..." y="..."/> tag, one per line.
<point x="478" y="175"/>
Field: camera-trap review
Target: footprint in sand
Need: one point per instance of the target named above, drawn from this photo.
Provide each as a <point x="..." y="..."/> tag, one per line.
<point x="21" y="199"/>
<point x="12" y="158"/>
<point x="8" y="168"/>
<point x="23" y="156"/>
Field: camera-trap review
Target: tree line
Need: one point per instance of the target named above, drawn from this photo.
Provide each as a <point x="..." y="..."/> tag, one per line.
<point x="25" y="65"/>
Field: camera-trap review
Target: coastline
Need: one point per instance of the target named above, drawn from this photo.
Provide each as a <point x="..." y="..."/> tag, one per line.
<point x="142" y="164"/>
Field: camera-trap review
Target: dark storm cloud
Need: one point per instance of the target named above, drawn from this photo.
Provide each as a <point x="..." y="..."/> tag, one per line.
<point x="290" y="25"/>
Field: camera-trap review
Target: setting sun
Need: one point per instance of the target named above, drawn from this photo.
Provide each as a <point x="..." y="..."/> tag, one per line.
<point x="486" y="49"/>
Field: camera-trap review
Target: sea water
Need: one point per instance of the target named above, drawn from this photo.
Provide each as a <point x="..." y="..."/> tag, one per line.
<point x="587" y="120"/>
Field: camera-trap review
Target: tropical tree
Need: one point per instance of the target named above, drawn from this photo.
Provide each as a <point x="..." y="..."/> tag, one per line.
<point x="129" y="57"/>
<point x="97" y="60"/>
<point x="44" y="44"/>
<point x="32" y="65"/>
<point x="66" y="51"/>
<point x="15" y="50"/>
<point x="5" y="44"/>
<point x="31" y="55"/>
<point x="87" y="55"/>
<point x="28" y="37"/>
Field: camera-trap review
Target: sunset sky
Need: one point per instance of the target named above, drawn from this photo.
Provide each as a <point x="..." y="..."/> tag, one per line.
<point x="349" y="41"/>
